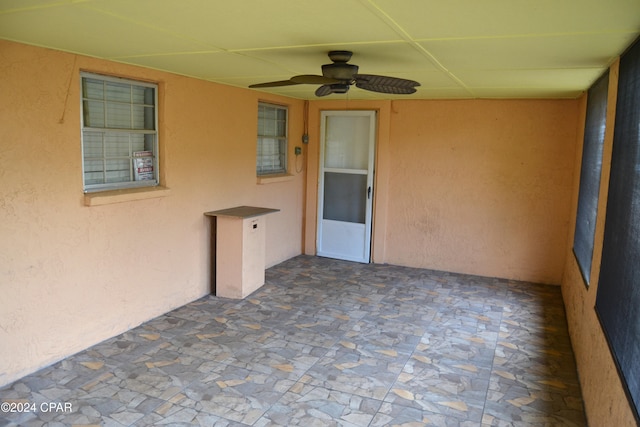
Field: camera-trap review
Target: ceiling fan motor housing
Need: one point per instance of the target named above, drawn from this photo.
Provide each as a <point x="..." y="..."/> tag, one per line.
<point x="340" y="71"/>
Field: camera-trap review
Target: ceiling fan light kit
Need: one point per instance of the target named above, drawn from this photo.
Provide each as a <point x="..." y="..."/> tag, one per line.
<point x="339" y="76"/>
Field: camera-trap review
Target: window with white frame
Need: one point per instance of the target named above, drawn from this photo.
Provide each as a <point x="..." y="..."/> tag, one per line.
<point x="272" y="139"/>
<point x="119" y="133"/>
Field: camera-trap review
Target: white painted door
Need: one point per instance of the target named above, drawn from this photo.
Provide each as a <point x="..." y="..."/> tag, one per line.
<point x="345" y="194"/>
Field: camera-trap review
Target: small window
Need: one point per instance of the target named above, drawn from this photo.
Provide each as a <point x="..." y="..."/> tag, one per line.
<point x="272" y="139"/>
<point x="588" y="194"/>
<point x="119" y="133"/>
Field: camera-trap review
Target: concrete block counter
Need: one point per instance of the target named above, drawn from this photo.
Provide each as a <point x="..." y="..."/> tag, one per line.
<point x="238" y="246"/>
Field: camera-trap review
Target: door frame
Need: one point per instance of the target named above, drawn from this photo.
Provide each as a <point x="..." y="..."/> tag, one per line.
<point x="371" y="180"/>
<point x="382" y="180"/>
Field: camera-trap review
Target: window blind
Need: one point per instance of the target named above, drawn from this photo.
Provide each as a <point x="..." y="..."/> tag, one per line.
<point x="272" y="139"/>
<point x="119" y="120"/>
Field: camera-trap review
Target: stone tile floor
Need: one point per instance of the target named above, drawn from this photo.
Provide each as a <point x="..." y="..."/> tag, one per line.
<point x="327" y="343"/>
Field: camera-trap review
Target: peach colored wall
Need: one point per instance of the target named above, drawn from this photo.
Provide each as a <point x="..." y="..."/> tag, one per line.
<point x="472" y="186"/>
<point x="494" y="187"/>
<point x="73" y="275"/>
<point x="605" y="400"/>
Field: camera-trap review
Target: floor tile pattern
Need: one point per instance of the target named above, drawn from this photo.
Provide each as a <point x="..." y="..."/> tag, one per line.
<point x="328" y="343"/>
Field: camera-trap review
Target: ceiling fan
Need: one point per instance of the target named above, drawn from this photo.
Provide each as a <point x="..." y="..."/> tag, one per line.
<point x="339" y="76"/>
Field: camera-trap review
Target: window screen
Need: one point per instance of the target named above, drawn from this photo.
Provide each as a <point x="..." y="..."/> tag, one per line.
<point x="119" y="133"/>
<point x="618" y="298"/>
<point x="272" y="139"/>
<point x="595" y="125"/>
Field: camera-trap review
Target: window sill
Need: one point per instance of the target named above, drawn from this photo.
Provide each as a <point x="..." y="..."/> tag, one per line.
<point x="270" y="179"/>
<point x="128" y="195"/>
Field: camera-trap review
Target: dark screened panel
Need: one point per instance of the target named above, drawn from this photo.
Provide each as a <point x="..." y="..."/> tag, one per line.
<point x="344" y="197"/>
<point x="595" y="125"/>
<point x="618" y="298"/>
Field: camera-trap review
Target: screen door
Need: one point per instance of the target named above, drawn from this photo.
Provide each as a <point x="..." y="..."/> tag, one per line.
<point x="345" y="196"/>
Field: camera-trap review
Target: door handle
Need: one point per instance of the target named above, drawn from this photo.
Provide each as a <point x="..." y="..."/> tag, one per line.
<point x="369" y="192"/>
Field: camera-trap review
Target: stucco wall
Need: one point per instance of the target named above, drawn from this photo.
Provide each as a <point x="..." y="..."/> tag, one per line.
<point x="605" y="400"/>
<point x="472" y="186"/>
<point x="494" y="191"/>
<point x="72" y="275"/>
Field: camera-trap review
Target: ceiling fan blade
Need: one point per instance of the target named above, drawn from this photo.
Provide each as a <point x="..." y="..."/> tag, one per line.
<point x="374" y="80"/>
<point x="309" y="79"/>
<point x="312" y="79"/>
<point x="274" y="84"/>
<point x="323" y="90"/>
<point x="398" y="90"/>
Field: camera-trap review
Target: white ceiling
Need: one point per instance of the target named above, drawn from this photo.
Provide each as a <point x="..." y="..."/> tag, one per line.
<point x="454" y="48"/>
